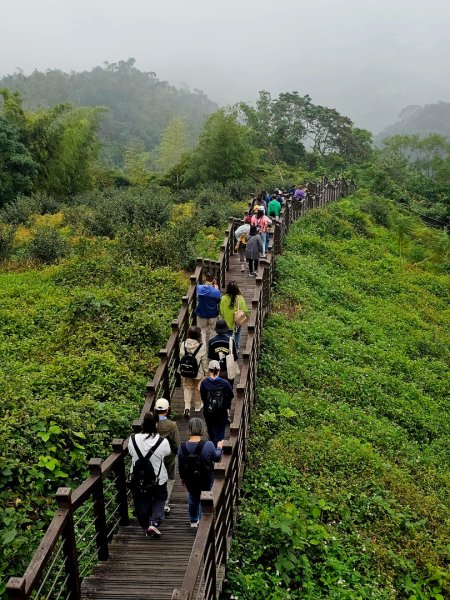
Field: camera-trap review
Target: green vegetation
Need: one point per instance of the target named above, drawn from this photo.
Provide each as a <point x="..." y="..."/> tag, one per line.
<point x="346" y="489"/>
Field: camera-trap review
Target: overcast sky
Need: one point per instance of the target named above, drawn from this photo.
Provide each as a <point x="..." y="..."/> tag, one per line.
<point x="367" y="58"/>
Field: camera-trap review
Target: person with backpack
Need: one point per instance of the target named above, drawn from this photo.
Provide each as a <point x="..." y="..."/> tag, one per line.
<point x="217" y="395"/>
<point x="193" y="367"/>
<point x="148" y="475"/>
<point x="196" y="459"/>
<point x="241" y="234"/>
<point x="207" y="310"/>
<point x="234" y="310"/>
<point x="168" y="429"/>
<point x="221" y="346"/>
<point x="253" y="249"/>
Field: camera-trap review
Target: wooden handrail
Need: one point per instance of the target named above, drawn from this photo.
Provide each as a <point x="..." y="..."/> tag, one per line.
<point x="207" y="550"/>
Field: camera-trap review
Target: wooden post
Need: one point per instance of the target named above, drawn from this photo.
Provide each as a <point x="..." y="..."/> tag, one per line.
<point x="15" y="588"/>
<point x="64" y="500"/>
<point x="207" y="502"/>
<point x="121" y="483"/>
<point x="98" y="499"/>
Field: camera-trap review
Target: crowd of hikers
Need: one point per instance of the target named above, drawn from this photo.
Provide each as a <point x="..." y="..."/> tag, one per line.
<point x="207" y="368"/>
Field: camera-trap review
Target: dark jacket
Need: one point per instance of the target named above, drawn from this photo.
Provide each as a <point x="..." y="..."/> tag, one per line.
<point x="209" y="455"/>
<point x="254" y="247"/>
<point x="210" y="384"/>
<point x="220" y="344"/>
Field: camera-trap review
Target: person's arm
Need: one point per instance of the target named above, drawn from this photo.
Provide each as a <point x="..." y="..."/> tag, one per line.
<point x="176" y="438"/>
<point x="203" y="392"/>
<point x="235" y="352"/>
<point x="243" y="306"/>
<point x="210" y="351"/>
<point x="229" y="395"/>
<point x="221" y="307"/>
<point x="260" y="244"/>
<point x="164" y="448"/>
<point x="204" y="364"/>
<point x="213" y="454"/>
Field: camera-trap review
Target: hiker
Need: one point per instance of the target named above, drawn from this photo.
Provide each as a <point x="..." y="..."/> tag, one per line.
<point x="168" y="429"/>
<point x="217" y="394"/>
<point x="262" y="223"/>
<point x="195" y="463"/>
<point x="193" y="367"/>
<point x="274" y="208"/>
<point x="300" y="192"/>
<point x="148" y="475"/>
<point x="233" y="310"/>
<point x="241" y="240"/>
<point x="253" y="249"/>
<point x="222" y="345"/>
<point x="208" y="300"/>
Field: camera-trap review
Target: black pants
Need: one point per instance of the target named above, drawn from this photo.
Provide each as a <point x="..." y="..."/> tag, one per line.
<point x="149" y="510"/>
<point x="252" y="265"/>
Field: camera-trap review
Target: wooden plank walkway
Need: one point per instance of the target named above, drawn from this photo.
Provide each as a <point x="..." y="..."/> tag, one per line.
<point x="146" y="568"/>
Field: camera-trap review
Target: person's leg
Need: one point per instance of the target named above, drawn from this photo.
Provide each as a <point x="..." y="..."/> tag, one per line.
<point x="250" y="263"/>
<point x="212" y="326"/>
<point x="210" y="429"/>
<point x="255" y="266"/>
<point x="237" y="336"/>
<point x="197" y="398"/>
<point x="142" y="510"/>
<point x="267" y="241"/>
<point x="242" y="259"/>
<point x="203" y="324"/>
<point x="218" y="431"/>
<point x="194" y="507"/>
<point x="263" y="239"/>
<point x="188" y="390"/>
<point x="157" y="515"/>
<point x="170" y="466"/>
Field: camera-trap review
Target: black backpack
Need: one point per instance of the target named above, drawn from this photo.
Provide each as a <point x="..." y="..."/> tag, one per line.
<point x="189" y="364"/>
<point x="215" y="402"/>
<point x="143" y="479"/>
<point x="195" y="474"/>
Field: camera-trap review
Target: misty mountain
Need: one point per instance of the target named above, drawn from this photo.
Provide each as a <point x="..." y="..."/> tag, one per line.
<point x="139" y="105"/>
<point x="420" y="120"/>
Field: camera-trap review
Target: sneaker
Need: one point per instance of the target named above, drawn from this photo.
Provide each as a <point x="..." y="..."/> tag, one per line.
<point x="153" y="531"/>
<point x="194" y="524"/>
<point x="187" y="412"/>
<point x="242" y="269"/>
<point x="167" y="510"/>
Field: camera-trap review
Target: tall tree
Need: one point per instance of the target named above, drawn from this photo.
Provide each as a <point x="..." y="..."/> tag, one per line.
<point x="174" y="143"/>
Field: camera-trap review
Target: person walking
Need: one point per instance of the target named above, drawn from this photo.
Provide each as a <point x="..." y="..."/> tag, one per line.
<point x="253" y="249"/>
<point x="220" y="346"/>
<point x="168" y="429"/>
<point x="241" y="234"/>
<point x="196" y="460"/>
<point x="148" y="475"/>
<point x="274" y="208"/>
<point x="217" y="394"/>
<point x="207" y="310"/>
<point x="193" y="367"/>
<point x="233" y="301"/>
<point x="262" y="223"/>
<point x="300" y="192"/>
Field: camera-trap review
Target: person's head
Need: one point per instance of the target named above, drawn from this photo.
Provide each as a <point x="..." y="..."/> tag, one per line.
<point x="214" y="368"/>
<point x="233" y="291"/>
<point x="256" y="208"/>
<point x="195" y="333"/>
<point x="221" y="326"/>
<point x="209" y="277"/>
<point x="196" y="427"/>
<point x="253" y="230"/>
<point x="247" y="219"/>
<point x="149" y="424"/>
<point x="162" y="406"/>
<point x="260" y="212"/>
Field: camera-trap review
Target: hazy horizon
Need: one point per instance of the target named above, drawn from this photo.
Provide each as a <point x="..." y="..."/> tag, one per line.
<point x="368" y="59"/>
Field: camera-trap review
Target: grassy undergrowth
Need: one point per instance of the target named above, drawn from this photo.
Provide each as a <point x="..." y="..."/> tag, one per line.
<point x="78" y="342"/>
<point x="346" y="490"/>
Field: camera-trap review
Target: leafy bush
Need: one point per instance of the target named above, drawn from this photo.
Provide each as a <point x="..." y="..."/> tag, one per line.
<point x="48" y="245"/>
<point x="7" y="233"/>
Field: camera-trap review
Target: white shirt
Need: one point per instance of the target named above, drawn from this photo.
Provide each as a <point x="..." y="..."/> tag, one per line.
<point x="146" y="441"/>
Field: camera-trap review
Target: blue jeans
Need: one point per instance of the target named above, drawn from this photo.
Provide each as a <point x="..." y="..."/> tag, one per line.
<point x="237" y="337"/>
<point x="194" y="507"/>
<point x="263" y="236"/>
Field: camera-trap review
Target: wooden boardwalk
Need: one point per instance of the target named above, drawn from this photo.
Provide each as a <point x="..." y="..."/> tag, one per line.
<point x="147" y="568"/>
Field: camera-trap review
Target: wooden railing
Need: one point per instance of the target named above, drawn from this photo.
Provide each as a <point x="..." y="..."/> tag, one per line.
<point x="87" y="518"/>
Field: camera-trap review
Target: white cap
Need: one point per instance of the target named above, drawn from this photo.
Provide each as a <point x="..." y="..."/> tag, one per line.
<point x="214" y="365"/>
<point x="162" y="404"/>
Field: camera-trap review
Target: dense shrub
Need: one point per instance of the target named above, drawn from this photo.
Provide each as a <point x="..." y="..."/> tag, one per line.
<point x="7" y="232"/>
<point x="48" y="245"/>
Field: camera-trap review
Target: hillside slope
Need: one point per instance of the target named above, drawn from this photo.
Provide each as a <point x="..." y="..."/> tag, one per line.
<point x="346" y="490"/>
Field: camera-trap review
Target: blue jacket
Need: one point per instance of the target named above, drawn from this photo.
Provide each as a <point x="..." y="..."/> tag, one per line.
<point x="208" y="300"/>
